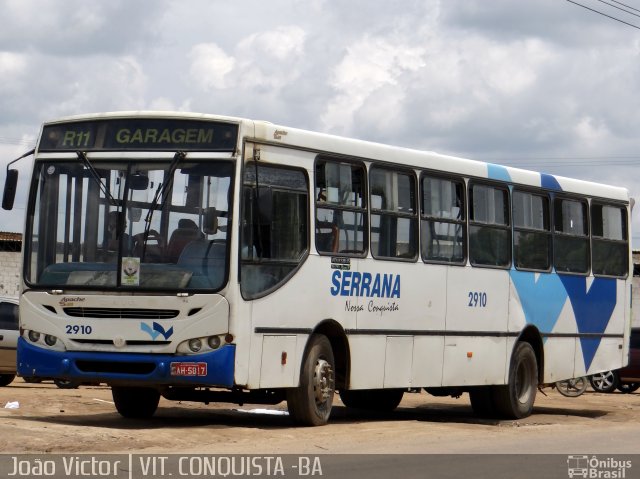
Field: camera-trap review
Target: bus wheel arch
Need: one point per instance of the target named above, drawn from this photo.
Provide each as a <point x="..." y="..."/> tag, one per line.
<point x="324" y="365"/>
<point x="532" y="335"/>
<point x="340" y="346"/>
<point x="311" y="401"/>
<point x="515" y="399"/>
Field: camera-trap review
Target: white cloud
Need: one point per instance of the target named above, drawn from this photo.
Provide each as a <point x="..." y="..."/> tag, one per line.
<point x="210" y="65"/>
<point x="13" y="67"/>
<point x="282" y="43"/>
<point x="12" y="64"/>
<point x="590" y="133"/>
<point x="369" y="65"/>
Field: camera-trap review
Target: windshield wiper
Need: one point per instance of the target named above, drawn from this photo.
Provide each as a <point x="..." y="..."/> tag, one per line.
<point x="96" y="177"/>
<point x="161" y="192"/>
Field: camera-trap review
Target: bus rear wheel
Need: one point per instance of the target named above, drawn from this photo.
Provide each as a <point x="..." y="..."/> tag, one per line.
<point x="515" y="399"/>
<point x="310" y="403"/>
<point x="135" y="402"/>
<point x="382" y="400"/>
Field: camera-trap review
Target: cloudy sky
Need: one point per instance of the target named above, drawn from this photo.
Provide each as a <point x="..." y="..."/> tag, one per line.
<point x="543" y="84"/>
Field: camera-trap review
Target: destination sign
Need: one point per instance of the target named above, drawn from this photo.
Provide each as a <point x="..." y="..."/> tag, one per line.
<point x="139" y="134"/>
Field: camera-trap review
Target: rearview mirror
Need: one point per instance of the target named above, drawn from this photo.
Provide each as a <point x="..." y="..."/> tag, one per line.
<point x="138" y="181"/>
<point x="10" y="186"/>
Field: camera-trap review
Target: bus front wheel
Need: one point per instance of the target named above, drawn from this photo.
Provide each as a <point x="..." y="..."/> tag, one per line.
<point x="135" y="402"/>
<point x="515" y="399"/>
<point x="310" y="403"/>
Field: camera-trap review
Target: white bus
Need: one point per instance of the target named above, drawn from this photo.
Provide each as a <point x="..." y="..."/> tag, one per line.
<point x="207" y="258"/>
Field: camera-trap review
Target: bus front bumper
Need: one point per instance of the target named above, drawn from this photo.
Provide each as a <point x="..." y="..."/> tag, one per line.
<point x="215" y="368"/>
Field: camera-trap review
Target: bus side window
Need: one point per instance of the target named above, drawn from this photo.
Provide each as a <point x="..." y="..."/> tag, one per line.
<point x="532" y="231"/>
<point x="340" y="207"/>
<point x="394" y="214"/>
<point x="489" y="232"/>
<point x="610" y="240"/>
<point x="443" y="221"/>
<point x="274" y="227"/>
<point x="571" y="236"/>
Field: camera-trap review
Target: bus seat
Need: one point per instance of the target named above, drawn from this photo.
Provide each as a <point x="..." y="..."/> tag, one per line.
<point x="186" y="232"/>
<point x="206" y="260"/>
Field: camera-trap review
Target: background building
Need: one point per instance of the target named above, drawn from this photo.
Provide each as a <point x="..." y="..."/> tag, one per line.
<point x="10" y="247"/>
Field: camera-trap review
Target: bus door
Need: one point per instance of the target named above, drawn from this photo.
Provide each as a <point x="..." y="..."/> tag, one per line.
<point x="475" y="351"/>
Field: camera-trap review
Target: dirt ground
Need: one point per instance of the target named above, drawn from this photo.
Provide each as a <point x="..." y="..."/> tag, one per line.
<point x="84" y="420"/>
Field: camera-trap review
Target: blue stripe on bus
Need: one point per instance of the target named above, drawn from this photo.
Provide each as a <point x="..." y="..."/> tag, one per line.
<point x="543" y="299"/>
<point x="593" y="308"/>
<point x="549" y="182"/>
<point x="498" y="172"/>
<point x="34" y="361"/>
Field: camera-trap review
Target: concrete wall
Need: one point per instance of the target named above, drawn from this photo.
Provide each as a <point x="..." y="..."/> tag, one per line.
<point x="9" y="273"/>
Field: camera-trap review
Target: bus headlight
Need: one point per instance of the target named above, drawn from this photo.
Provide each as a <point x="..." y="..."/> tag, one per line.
<point x="214" y="342"/>
<point x="195" y="345"/>
<point x="34" y="336"/>
<point x="50" y="340"/>
<point x="201" y="345"/>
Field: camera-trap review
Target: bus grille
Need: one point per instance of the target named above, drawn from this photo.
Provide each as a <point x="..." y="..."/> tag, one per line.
<point x="121" y="313"/>
<point x="115" y="367"/>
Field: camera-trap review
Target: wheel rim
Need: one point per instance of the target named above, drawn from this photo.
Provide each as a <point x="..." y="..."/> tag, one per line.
<point x="523" y="382"/>
<point x="603" y="380"/>
<point x="323" y="382"/>
<point x="572" y="387"/>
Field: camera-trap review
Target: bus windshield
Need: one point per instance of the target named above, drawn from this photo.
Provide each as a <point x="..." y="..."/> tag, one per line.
<point x="129" y="224"/>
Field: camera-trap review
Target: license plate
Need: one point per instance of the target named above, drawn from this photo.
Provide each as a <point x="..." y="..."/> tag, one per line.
<point x="188" y="369"/>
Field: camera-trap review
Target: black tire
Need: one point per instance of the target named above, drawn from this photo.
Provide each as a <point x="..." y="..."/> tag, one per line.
<point x="515" y="399"/>
<point x="32" y="380"/>
<point x="482" y="401"/>
<point x="605" y="382"/>
<point x="6" y="379"/>
<point x="310" y="403"/>
<point x="381" y="400"/>
<point x="628" y="388"/>
<point x="66" y="383"/>
<point x="135" y="402"/>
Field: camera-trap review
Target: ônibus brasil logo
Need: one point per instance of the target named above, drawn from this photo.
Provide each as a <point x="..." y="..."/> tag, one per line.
<point x="597" y="468"/>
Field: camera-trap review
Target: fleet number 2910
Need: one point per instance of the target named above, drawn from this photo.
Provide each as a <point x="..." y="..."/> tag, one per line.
<point x="477" y="299"/>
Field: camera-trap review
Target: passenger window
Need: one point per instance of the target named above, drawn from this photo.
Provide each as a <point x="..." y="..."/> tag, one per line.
<point x="340" y="207"/>
<point x="571" y="238"/>
<point x="532" y="231"/>
<point x="489" y="232"/>
<point x="394" y="218"/>
<point x="274" y="228"/>
<point x="610" y="240"/>
<point x="443" y="221"/>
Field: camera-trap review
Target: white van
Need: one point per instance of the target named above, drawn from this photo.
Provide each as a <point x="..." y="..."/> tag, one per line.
<point x="8" y="339"/>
